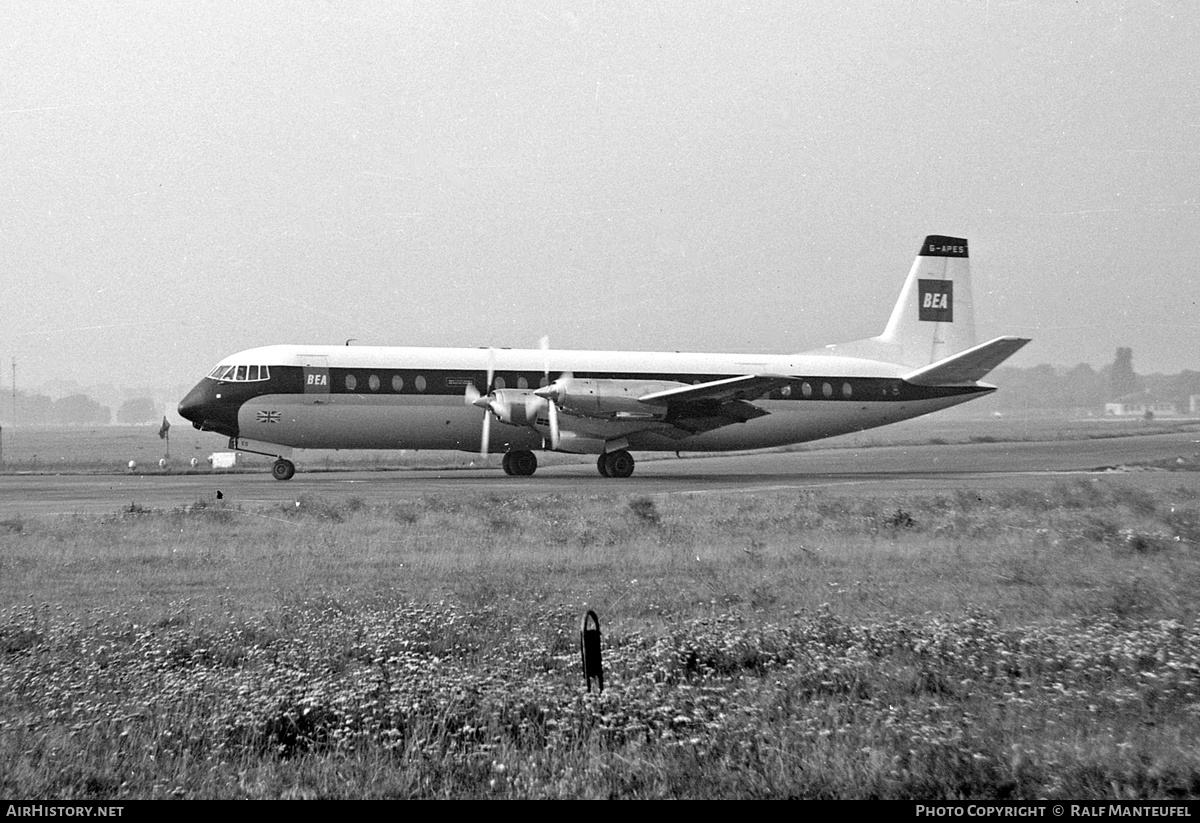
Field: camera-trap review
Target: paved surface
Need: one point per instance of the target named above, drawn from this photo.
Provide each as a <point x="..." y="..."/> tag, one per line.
<point x="882" y="470"/>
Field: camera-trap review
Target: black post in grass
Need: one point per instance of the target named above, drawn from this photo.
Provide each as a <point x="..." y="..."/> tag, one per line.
<point x="589" y="650"/>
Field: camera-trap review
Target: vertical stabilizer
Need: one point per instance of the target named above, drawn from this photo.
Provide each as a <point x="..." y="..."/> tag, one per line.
<point x="934" y="317"/>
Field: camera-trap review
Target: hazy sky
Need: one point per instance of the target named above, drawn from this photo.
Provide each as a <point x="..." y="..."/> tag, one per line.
<point x="179" y="181"/>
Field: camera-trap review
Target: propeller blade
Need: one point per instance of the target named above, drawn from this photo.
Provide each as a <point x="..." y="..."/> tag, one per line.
<point x="553" y="425"/>
<point x="549" y="392"/>
<point x="484" y="401"/>
<point x="487" y="432"/>
<point x="491" y="369"/>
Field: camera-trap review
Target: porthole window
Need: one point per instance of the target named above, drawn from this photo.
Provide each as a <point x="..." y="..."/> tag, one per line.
<point x="827" y="390"/>
<point x="786" y="391"/>
<point x="373" y="382"/>
<point x="545" y="381"/>
<point x="397" y="383"/>
<point x="498" y="382"/>
<point x="846" y="390"/>
<point x="351" y="382"/>
<point x="522" y="383"/>
<point x="420" y="382"/>
<point x="806" y="389"/>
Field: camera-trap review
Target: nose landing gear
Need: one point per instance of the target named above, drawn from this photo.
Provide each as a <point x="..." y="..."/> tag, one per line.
<point x="283" y="469"/>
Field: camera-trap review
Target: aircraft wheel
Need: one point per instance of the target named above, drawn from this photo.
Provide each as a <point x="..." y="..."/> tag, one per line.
<point x="523" y="463"/>
<point x="283" y="469"/>
<point x="506" y="463"/>
<point x="620" y="463"/>
<point x="602" y="465"/>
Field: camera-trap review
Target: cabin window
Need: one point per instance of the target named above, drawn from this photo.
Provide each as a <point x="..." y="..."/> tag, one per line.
<point x="786" y="391"/>
<point x="846" y="390"/>
<point x="827" y="390"/>
<point x="498" y="382"/>
<point x="522" y="383"/>
<point x="397" y="384"/>
<point x="420" y="381"/>
<point x="545" y="381"/>
<point x="373" y="382"/>
<point x="806" y="389"/>
<point x="351" y="382"/>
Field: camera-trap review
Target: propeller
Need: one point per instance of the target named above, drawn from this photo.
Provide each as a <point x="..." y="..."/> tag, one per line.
<point x="552" y="403"/>
<point x="473" y="397"/>
<point x="551" y="392"/>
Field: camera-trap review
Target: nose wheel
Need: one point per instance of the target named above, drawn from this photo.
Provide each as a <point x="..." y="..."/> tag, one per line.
<point x="283" y="469"/>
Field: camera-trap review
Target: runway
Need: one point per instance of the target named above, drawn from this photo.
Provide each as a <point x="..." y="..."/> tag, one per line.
<point x="885" y="470"/>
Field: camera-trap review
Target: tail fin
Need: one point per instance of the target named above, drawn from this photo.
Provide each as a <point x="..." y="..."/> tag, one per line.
<point x="934" y="317"/>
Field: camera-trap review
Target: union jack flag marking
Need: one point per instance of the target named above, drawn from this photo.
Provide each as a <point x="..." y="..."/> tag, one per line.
<point x="269" y="417"/>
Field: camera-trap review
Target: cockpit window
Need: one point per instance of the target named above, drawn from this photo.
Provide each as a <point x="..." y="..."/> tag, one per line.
<point x="240" y="374"/>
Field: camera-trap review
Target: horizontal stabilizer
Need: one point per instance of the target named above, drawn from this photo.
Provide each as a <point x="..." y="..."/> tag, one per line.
<point x="967" y="366"/>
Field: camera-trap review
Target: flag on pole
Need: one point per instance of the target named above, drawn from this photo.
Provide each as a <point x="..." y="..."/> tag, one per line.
<point x="164" y="429"/>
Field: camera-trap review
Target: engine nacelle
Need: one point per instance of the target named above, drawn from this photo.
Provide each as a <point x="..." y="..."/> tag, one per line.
<point x="611" y="398"/>
<point x="517" y="407"/>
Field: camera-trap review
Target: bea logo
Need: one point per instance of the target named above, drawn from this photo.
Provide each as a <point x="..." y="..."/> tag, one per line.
<point x="935" y="300"/>
<point x="318" y="380"/>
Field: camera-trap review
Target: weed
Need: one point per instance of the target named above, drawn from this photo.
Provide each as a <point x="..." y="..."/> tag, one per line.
<point x="645" y="510"/>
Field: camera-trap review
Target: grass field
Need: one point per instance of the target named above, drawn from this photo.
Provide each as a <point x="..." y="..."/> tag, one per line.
<point x="1012" y="644"/>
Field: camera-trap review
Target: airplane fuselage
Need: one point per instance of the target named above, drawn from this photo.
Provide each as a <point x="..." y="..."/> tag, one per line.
<point x="339" y="397"/>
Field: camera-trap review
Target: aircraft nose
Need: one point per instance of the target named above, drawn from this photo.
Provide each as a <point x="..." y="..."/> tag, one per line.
<point x="191" y="407"/>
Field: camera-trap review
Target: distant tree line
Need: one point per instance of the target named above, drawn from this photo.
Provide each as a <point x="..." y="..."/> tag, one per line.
<point x="1083" y="387"/>
<point x="74" y="409"/>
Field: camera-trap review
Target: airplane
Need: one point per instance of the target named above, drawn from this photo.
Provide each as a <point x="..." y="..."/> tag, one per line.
<point x="275" y="399"/>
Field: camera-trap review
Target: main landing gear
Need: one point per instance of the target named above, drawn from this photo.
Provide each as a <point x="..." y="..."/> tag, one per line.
<point x="519" y="463"/>
<point x="522" y="463"/>
<point x="615" y="464"/>
<point x="283" y="469"/>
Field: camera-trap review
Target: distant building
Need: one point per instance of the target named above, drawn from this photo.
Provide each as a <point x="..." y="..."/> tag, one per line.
<point x="1142" y="405"/>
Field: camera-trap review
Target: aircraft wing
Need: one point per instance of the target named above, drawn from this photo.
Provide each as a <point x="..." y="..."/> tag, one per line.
<point x="706" y="406"/>
<point x="746" y="387"/>
<point x="967" y="366"/>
